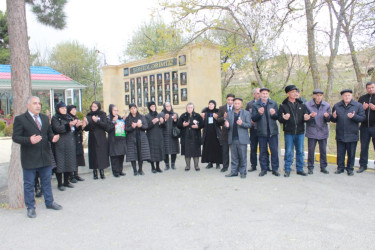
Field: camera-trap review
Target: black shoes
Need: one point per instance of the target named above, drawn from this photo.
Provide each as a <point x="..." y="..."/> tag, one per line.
<point x="61" y="188"/>
<point x="276" y="173"/>
<point x="102" y="175"/>
<point x="140" y="172"/>
<point x="262" y="173"/>
<point x="166" y="166"/>
<point x="209" y="165"/>
<point x="31" y="213"/>
<point x="310" y="171"/>
<point x="231" y="175"/>
<point x="324" y="170"/>
<point x="286" y="174"/>
<point x="122" y="174"/>
<point x="116" y="175"/>
<point x="68" y="185"/>
<point x="54" y="206"/>
<point x="361" y="169"/>
<point x="339" y="171"/>
<point x="173" y="166"/>
<point x="72" y="179"/>
<point x="95" y="173"/>
<point x="252" y="169"/>
<point x="135" y="173"/>
<point x="187" y="168"/>
<point x="350" y="172"/>
<point x="243" y="176"/>
<point x="197" y="169"/>
<point x="153" y="171"/>
<point x="224" y="170"/>
<point x="159" y="170"/>
<point x="303" y="173"/>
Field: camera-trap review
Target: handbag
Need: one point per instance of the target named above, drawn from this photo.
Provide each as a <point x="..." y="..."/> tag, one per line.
<point x="176" y="132"/>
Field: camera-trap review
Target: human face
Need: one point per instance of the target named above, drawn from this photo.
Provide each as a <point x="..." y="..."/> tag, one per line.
<point x="94" y="107"/>
<point x="230" y="101"/>
<point x="34" y="106"/>
<point x="292" y="94"/>
<point x="115" y="111"/>
<point x="264" y="95"/>
<point x="190" y="108"/>
<point x="237" y="104"/>
<point x="73" y="111"/>
<point x="62" y="110"/>
<point x="318" y="98"/>
<point x="133" y="111"/>
<point x="347" y="97"/>
<point x="371" y="89"/>
<point x="153" y="108"/>
<point x="168" y="107"/>
<point x="256" y="93"/>
<point x="211" y="106"/>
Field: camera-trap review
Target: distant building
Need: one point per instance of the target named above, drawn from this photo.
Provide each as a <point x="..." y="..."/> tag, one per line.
<point x="46" y="82"/>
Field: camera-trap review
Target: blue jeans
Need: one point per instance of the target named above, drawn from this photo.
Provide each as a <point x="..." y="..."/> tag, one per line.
<point x="264" y="143"/>
<point x="29" y="184"/>
<point x="292" y="141"/>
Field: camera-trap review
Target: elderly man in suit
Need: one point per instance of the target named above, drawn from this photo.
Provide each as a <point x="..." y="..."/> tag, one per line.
<point x="222" y="116"/>
<point x="33" y="131"/>
<point x="238" y="124"/>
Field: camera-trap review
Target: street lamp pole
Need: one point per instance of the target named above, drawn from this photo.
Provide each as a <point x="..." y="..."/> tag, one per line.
<point x="99" y="52"/>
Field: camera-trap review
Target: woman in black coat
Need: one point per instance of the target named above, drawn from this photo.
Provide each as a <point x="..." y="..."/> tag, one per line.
<point x="190" y="124"/>
<point x="171" y="144"/>
<point x="155" y="137"/>
<point x="96" y="124"/>
<point x="65" y="148"/>
<point x="138" y="148"/>
<point x="211" y="136"/>
<point x="116" y="141"/>
<point x="77" y="133"/>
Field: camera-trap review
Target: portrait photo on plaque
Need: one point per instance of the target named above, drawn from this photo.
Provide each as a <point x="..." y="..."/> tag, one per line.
<point x="133" y="100"/>
<point x="175" y="99"/>
<point x="152" y="79"/>
<point x="145" y="80"/>
<point x="182" y="60"/>
<point x="184" y="94"/>
<point x="139" y="91"/>
<point x="167" y="87"/>
<point x="168" y="97"/>
<point x="139" y="103"/>
<point x="174" y="76"/>
<point x="127" y="100"/>
<point x="159" y="78"/>
<point x="126" y="86"/>
<point x="132" y="83"/>
<point x="152" y="98"/>
<point x="145" y="91"/>
<point x="145" y="102"/>
<point x="183" y="78"/>
<point x="139" y="80"/>
<point x="167" y="77"/>
<point x="160" y="99"/>
<point x="152" y="88"/>
<point x="175" y="88"/>
<point x="160" y="89"/>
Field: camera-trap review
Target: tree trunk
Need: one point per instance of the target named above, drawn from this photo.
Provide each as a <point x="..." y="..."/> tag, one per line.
<point x="21" y="90"/>
<point x="373" y="75"/>
<point x="311" y="44"/>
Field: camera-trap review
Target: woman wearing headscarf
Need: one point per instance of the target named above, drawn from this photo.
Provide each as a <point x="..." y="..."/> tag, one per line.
<point x="190" y="124"/>
<point x="116" y="140"/>
<point x="155" y="137"/>
<point x="137" y="148"/>
<point x="96" y="121"/>
<point x="78" y="138"/>
<point x="211" y="136"/>
<point x="171" y="144"/>
<point x="64" y="149"/>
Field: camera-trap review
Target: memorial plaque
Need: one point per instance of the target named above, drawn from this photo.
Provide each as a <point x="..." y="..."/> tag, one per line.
<point x="127" y="101"/>
<point x="126" y="86"/>
<point x="183" y="78"/>
<point x="184" y="94"/>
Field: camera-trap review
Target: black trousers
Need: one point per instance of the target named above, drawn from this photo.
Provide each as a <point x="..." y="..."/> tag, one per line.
<point x="344" y="148"/>
<point x="366" y="134"/>
<point x="225" y="153"/>
<point x="311" y="152"/>
<point x="117" y="164"/>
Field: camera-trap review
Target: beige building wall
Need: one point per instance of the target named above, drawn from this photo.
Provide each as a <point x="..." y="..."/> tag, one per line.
<point x="202" y="69"/>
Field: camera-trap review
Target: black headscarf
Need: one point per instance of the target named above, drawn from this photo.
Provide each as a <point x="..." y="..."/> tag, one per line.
<point x="130" y="118"/>
<point x="98" y="111"/>
<point x="110" y="109"/>
<point x="165" y="111"/>
<point x="58" y="114"/>
<point x="152" y="113"/>
<point x="69" y="108"/>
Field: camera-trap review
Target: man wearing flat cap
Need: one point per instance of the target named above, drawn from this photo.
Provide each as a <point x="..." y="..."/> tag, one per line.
<point x="293" y="115"/>
<point x="264" y="113"/>
<point x="347" y="114"/>
<point x="317" y="130"/>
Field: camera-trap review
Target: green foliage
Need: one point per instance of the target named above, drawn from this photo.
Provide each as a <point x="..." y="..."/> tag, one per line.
<point x="8" y="130"/>
<point x="153" y="38"/>
<point x="4" y="40"/>
<point x="50" y="13"/>
<point x="2" y="125"/>
<point x="80" y="115"/>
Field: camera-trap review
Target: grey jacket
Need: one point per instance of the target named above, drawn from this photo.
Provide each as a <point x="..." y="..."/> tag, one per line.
<point x="243" y="130"/>
<point x="346" y="128"/>
<point x="317" y="127"/>
<point x="261" y="120"/>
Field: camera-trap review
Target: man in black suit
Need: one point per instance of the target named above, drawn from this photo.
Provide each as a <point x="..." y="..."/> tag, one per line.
<point x="222" y="116"/>
<point x="33" y="131"/>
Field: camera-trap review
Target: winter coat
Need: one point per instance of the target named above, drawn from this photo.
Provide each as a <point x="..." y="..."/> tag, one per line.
<point x="370" y="114"/>
<point x="295" y="125"/>
<point x="171" y="145"/>
<point x="211" y="139"/>
<point x="65" y="148"/>
<point x="207" y="112"/>
<point x="117" y="144"/>
<point x="220" y="119"/>
<point x="317" y="127"/>
<point x="261" y="120"/>
<point x="155" y="137"/>
<point x="191" y="138"/>
<point x="98" y="143"/>
<point x="137" y="148"/>
<point x="347" y="128"/>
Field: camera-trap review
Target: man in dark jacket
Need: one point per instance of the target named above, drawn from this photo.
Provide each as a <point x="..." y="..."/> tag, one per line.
<point x="264" y="113"/>
<point x="221" y="117"/>
<point x="33" y="131"/>
<point x="293" y="114"/>
<point x="367" y="128"/>
<point x="317" y="130"/>
<point x="347" y="114"/>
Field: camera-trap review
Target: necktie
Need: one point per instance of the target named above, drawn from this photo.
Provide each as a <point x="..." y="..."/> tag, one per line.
<point x="230" y="109"/>
<point x="37" y="122"/>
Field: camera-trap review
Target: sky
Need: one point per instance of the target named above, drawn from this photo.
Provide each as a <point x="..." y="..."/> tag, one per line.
<point x="103" y="25"/>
